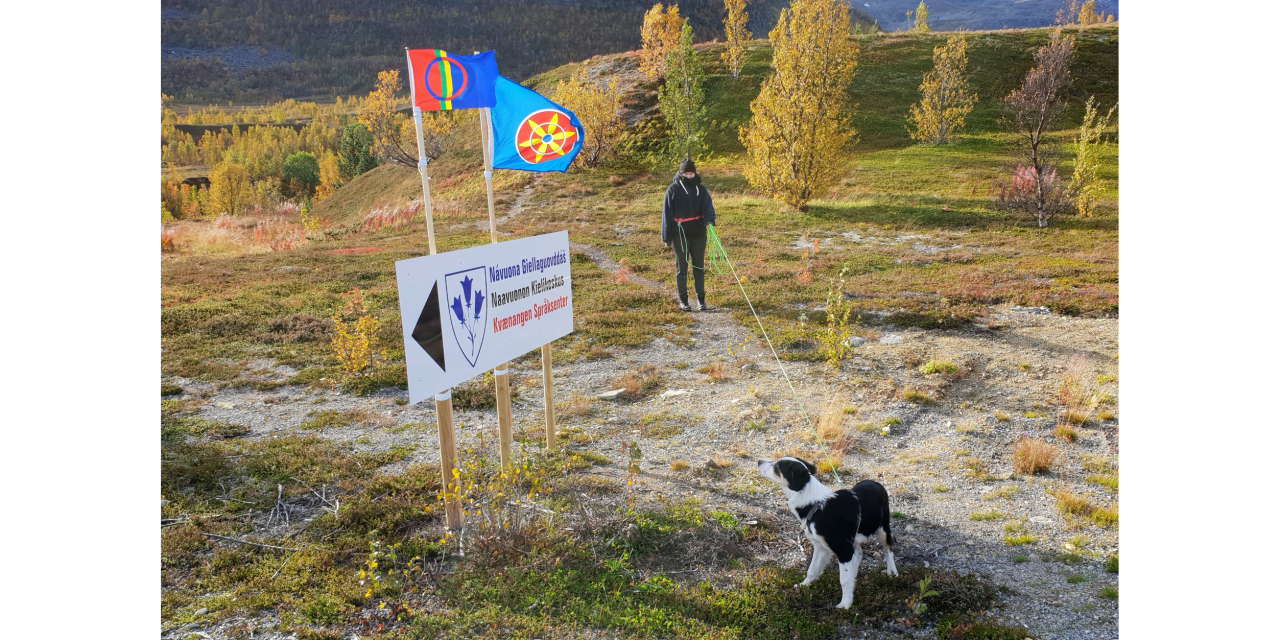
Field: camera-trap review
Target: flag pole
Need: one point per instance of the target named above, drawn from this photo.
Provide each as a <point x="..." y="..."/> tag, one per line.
<point x="501" y="381"/>
<point x="449" y="478"/>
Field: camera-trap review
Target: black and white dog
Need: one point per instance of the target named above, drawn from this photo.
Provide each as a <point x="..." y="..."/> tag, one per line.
<point x="835" y="522"/>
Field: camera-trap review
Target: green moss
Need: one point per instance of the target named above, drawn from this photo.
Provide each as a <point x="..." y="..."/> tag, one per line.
<point x="665" y="424"/>
<point x="330" y="418"/>
<point x="938" y="366"/>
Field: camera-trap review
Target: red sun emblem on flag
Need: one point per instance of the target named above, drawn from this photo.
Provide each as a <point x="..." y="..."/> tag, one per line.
<point x="545" y="135"/>
<point x="445" y="79"/>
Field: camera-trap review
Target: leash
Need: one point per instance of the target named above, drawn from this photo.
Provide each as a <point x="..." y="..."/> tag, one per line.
<point x="718" y="253"/>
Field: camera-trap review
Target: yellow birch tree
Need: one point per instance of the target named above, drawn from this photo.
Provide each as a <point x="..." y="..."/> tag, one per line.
<point x="330" y="176"/>
<point x="1089" y="14"/>
<point x="599" y="109"/>
<point x="922" y="19"/>
<point x="659" y="34"/>
<point x="394" y="135"/>
<point x="945" y="98"/>
<point x="735" y="35"/>
<point x="1084" y="179"/>
<point x="799" y="121"/>
<point x="230" y="191"/>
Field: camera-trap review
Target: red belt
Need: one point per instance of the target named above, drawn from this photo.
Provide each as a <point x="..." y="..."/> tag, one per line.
<point x="680" y="220"/>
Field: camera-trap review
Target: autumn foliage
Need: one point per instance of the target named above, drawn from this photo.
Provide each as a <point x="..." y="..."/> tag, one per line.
<point x="598" y="105"/>
<point x="799" y="121"/>
<point x="1031" y="110"/>
<point x="945" y="98"/>
<point x="659" y="34"/>
<point x="735" y="35"/>
<point x="1085" y="179"/>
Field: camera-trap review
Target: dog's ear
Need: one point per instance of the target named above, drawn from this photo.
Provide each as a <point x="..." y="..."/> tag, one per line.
<point x="813" y="471"/>
<point x="795" y="471"/>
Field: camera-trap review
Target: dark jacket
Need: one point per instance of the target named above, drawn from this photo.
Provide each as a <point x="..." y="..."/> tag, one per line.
<point x="686" y="198"/>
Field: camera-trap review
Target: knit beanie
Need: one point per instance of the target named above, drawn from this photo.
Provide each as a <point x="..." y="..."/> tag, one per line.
<point x="687" y="166"/>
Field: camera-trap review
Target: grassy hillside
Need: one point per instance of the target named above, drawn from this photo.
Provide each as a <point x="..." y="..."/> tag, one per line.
<point x="913" y="225"/>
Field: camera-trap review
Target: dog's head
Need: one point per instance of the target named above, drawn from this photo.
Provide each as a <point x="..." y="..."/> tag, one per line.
<point x="792" y="473"/>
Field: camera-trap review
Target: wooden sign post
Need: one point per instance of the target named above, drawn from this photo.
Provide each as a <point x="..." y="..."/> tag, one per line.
<point x="501" y="381"/>
<point x="444" y="399"/>
<point x="548" y="396"/>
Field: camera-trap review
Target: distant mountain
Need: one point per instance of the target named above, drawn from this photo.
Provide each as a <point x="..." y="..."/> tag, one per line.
<point x="249" y="50"/>
<point x="972" y="15"/>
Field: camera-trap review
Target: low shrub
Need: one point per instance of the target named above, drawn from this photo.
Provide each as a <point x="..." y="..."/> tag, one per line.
<point x="1032" y="456"/>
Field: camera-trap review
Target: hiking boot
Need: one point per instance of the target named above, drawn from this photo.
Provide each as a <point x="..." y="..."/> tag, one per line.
<point x="684" y="306"/>
<point x="702" y="306"/>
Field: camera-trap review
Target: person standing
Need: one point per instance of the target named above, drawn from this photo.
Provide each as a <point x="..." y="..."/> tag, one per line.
<point x="686" y="212"/>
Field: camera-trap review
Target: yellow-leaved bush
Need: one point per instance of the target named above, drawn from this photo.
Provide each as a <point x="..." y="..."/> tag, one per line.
<point x="735" y="35"/>
<point x="599" y="109"/>
<point x="945" y="98"/>
<point x="659" y="34"/>
<point x="799" y="121"/>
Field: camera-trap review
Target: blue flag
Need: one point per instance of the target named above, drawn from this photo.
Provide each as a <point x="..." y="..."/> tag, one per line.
<point x="530" y="132"/>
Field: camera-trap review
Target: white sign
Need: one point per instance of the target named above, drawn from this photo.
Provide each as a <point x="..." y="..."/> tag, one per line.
<point x="465" y="311"/>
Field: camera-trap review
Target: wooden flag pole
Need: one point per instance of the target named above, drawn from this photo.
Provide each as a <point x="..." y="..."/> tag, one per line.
<point x="501" y="381"/>
<point x="444" y="400"/>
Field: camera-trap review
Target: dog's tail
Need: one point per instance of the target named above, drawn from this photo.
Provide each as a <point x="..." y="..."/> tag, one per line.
<point x="886" y="516"/>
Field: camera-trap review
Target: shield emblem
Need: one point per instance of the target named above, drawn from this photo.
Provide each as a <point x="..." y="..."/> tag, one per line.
<point x="468" y="315"/>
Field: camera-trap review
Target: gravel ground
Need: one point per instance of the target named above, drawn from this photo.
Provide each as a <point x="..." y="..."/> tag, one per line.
<point x="1011" y="363"/>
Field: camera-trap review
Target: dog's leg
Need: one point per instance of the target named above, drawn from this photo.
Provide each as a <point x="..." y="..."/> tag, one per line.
<point x="889" y="567"/>
<point x="818" y="564"/>
<point x="848" y="575"/>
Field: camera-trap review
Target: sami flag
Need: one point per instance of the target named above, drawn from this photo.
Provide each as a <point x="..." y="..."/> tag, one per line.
<point x="442" y="81"/>
<point x="530" y="132"/>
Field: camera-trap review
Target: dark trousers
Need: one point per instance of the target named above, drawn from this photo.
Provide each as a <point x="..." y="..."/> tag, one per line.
<point x="692" y="243"/>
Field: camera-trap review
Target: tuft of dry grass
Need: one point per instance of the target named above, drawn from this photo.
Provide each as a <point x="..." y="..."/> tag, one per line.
<point x="913" y="395"/>
<point x="1071" y="504"/>
<point x="1097" y="464"/>
<point x="830" y="425"/>
<point x="1109" y="482"/>
<point x="976" y="469"/>
<point x="1078" y="396"/>
<point x="1066" y="433"/>
<point x="796" y="451"/>
<point x="679" y="465"/>
<point x="1007" y="492"/>
<point x="575" y="406"/>
<point x="913" y="357"/>
<point x="830" y="463"/>
<point x="1032" y="456"/>
<point x="1105" y="516"/>
<point x="638" y="384"/>
<point x="986" y="516"/>
<point x="716" y="371"/>
<point x="719" y="463"/>
<point x="1001" y="416"/>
